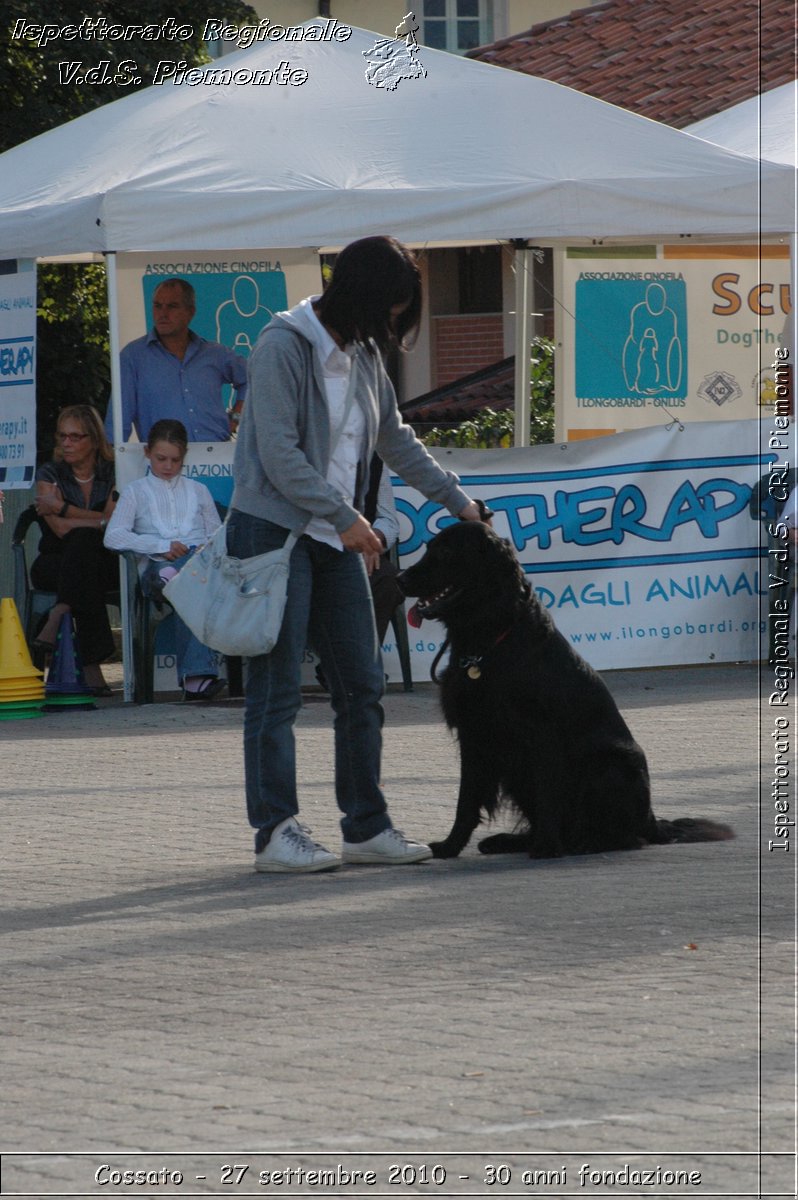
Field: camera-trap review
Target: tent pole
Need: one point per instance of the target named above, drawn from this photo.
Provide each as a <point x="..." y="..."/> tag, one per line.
<point x="524" y="259"/>
<point x="113" y="337"/>
<point x="116" y="411"/>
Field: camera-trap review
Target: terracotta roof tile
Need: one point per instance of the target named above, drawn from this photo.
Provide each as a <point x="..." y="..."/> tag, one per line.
<point x="666" y="59"/>
<point x="491" y="387"/>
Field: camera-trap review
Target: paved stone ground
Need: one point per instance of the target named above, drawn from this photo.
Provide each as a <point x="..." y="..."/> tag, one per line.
<point x="163" y="1002"/>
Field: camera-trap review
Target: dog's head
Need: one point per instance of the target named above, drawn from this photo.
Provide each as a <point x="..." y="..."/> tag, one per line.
<point x="467" y="572"/>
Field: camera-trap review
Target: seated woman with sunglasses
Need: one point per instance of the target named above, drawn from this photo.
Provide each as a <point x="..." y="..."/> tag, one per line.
<point x="74" y="500"/>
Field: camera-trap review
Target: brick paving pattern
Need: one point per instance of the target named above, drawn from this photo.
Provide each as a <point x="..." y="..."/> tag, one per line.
<point x="161" y="997"/>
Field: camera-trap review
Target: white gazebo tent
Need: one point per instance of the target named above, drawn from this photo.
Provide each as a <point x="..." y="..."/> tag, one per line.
<point x="765" y="128"/>
<point x="469" y="152"/>
<point x="225" y="159"/>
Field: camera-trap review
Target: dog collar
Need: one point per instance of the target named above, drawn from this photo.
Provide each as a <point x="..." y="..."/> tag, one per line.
<point x="472" y="663"/>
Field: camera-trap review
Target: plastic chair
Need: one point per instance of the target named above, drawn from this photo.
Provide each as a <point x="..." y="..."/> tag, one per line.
<point x="146" y="615"/>
<point x="765" y="506"/>
<point x="33" y="604"/>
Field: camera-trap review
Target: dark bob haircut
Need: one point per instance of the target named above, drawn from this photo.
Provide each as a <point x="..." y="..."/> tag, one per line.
<point x="369" y="278"/>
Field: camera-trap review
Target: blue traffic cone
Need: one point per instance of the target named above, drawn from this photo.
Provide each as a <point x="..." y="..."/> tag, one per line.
<point x="66" y="685"/>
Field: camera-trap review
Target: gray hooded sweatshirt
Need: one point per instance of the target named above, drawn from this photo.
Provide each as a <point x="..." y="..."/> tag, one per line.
<point x="283" y="445"/>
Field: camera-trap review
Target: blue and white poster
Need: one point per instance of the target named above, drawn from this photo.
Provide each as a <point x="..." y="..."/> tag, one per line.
<point x="233" y="306"/>
<point x="641" y="545"/>
<point x="18" y="377"/>
<point x="651" y="334"/>
<point x="643" y="331"/>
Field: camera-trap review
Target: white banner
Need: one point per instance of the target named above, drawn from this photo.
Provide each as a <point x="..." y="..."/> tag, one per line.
<point x="18" y="377"/>
<point x="211" y="464"/>
<point x="640" y="545"/>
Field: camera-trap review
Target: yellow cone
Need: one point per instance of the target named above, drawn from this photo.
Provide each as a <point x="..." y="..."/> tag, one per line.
<point x="15" y="659"/>
<point x="32" y="689"/>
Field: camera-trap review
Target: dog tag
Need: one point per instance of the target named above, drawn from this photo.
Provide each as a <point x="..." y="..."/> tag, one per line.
<point x="473" y="672"/>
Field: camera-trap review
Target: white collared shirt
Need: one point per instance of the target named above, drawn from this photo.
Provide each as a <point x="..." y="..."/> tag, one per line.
<point x="152" y="513"/>
<point x="336" y="365"/>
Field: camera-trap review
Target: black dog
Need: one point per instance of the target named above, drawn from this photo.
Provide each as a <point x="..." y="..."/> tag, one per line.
<point x="537" y="727"/>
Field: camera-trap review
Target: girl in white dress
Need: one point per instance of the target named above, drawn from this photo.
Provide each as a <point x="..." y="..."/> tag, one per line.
<point x="164" y="517"/>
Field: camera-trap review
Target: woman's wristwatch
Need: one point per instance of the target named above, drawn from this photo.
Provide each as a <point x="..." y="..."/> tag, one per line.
<point x="62" y="512"/>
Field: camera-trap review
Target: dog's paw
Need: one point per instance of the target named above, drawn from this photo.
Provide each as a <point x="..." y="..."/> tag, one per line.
<point x="443" y="850"/>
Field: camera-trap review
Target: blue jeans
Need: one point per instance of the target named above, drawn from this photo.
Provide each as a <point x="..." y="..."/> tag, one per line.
<point x="193" y="658"/>
<point x="329" y="609"/>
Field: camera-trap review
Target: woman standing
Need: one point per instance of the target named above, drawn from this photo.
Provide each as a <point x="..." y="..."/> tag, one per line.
<point x="319" y="405"/>
<point x="74" y="500"/>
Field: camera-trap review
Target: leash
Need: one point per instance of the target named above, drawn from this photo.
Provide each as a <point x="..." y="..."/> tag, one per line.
<point x="433" y="669"/>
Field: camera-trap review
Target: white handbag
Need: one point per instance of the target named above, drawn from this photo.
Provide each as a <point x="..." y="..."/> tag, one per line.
<point x="233" y="605"/>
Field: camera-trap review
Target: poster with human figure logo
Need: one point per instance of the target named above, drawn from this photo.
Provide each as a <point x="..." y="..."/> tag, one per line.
<point x="652" y="334"/>
<point x="642" y="327"/>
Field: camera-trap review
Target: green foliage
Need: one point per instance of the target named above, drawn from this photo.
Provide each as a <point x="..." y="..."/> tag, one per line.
<point x="488" y="429"/>
<point x="73" y="361"/>
<point x="72" y="352"/>
<point x="541" y="381"/>
<point x="35" y="96"/>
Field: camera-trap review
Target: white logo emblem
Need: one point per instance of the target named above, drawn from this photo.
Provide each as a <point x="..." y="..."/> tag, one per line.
<point x="390" y="60"/>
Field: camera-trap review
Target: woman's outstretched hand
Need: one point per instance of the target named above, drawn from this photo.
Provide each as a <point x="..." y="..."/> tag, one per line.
<point x="361" y="538"/>
<point x="476" y="510"/>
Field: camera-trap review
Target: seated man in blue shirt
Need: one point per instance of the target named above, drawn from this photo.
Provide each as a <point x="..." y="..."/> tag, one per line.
<point x="171" y="372"/>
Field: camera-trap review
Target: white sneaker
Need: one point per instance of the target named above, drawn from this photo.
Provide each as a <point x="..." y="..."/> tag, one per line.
<point x="390" y="846"/>
<point x="291" y="849"/>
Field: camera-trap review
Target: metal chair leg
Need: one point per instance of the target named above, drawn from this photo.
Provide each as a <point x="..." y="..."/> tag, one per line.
<point x="399" y="625"/>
